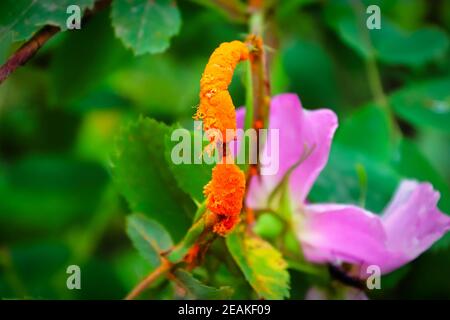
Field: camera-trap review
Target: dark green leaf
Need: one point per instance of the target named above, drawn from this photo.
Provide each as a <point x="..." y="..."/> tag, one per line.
<point x="389" y="44"/>
<point x="425" y="104"/>
<point x="313" y="76"/>
<point x="141" y="173"/>
<point x="191" y="177"/>
<point x="57" y="190"/>
<point x="81" y="55"/>
<point x="367" y="131"/>
<point x="146" y="26"/>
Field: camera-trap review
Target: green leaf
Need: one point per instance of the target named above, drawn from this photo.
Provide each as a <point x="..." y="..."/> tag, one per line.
<point x="141" y="173"/>
<point x="395" y="46"/>
<point x="263" y="265"/>
<point x="148" y="237"/>
<point x="146" y="26"/>
<point x="20" y="19"/>
<point x="30" y="268"/>
<point x="268" y="226"/>
<point x="313" y="76"/>
<point x="194" y="289"/>
<point x="340" y="181"/>
<point x="368" y="131"/>
<point x="425" y="104"/>
<point x="389" y="44"/>
<point x="191" y="177"/>
<point x="81" y="55"/>
<point x="48" y="192"/>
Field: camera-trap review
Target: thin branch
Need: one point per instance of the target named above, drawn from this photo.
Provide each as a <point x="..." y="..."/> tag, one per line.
<point x="260" y="89"/>
<point x="32" y="46"/>
<point x="27" y="51"/>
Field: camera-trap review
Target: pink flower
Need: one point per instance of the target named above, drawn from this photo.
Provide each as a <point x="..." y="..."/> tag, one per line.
<point x="335" y="233"/>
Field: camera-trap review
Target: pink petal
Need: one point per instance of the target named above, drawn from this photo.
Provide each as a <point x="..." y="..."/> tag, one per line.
<point x="332" y="233"/>
<point x="412" y="221"/>
<point x="341" y="233"/>
<point x="299" y="130"/>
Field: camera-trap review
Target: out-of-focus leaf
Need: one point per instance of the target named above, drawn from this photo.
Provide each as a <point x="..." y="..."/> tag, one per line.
<point x="268" y="226"/>
<point x="191" y="177"/>
<point x="262" y="265"/>
<point x="428" y="278"/>
<point x="368" y="131"/>
<point x="146" y="26"/>
<point x="168" y="92"/>
<point x="99" y="281"/>
<point x="395" y="46"/>
<point x="83" y="60"/>
<point x="28" y="270"/>
<point x="339" y="181"/>
<point x="95" y="135"/>
<point x="149" y="237"/>
<point x="141" y="173"/>
<point x="194" y="289"/>
<point x="20" y="19"/>
<point x="389" y="44"/>
<point x="312" y="76"/>
<point x="425" y="104"/>
<point x="131" y="268"/>
<point x="47" y="192"/>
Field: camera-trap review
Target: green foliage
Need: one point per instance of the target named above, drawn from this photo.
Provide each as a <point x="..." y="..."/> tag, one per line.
<point x="149" y="237"/>
<point x="191" y="177"/>
<point x="311" y="76"/>
<point x="194" y="289"/>
<point x="88" y="64"/>
<point x="141" y="173"/>
<point x="262" y="265"/>
<point x="57" y="190"/>
<point x="146" y="26"/>
<point x="425" y="105"/>
<point x="21" y="281"/>
<point x="268" y="226"/>
<point x="61" y="116"/>
<point x="389" y="44"/>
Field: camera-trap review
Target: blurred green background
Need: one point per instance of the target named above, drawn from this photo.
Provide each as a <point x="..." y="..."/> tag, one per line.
<point x="60" y="114"/>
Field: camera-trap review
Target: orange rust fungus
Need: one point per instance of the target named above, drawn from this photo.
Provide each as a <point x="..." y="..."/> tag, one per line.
<point x="224" y="196"/>
<point x="226" y="224"/>
<point x="216" y="108"/>
<point x="192" y="254"/>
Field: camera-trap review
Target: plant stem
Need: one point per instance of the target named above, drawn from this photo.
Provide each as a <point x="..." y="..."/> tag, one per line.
<point x="163" y="268"/>
<point x="375" y="84"/>
<point x="258" y="90"/>
<point x="373" y="73"/>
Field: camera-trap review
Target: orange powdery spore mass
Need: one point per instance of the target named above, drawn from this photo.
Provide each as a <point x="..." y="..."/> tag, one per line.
<point x="216" y="107"/>
<point x="226" y="224"/>
<point x="224" y="196"/>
